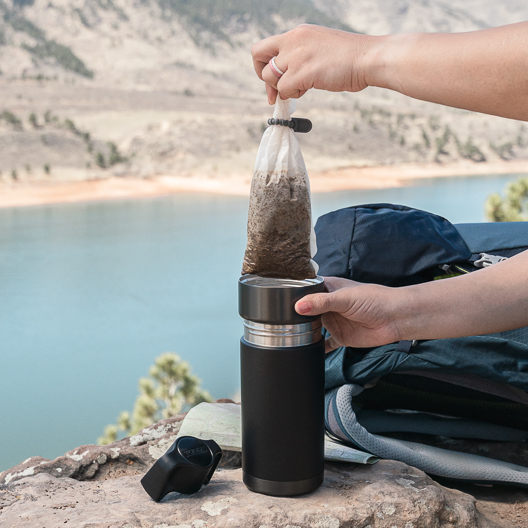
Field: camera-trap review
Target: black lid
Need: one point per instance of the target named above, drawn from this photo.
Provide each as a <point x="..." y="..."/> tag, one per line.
<point x="188" y="465"/>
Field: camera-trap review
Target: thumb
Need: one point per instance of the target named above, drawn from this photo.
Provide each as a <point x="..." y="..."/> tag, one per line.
<point x="319" y="303"/>
<point x="271" y="93"/>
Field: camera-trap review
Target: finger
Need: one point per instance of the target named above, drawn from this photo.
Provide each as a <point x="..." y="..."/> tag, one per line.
<point x="331" y="344"/>
<point x="299" y="94"/>
<point x="320" y="303"/>
<point x="272" y="94"/>
<point x="287" y="87"/>
<point x="291" y="85"/>
<point x="263" y="51"/>
<point x="296" y="95"/>
<point x="269" y="77"/>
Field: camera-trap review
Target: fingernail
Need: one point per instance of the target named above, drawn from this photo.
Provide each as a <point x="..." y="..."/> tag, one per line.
<point x="303" y="307"/>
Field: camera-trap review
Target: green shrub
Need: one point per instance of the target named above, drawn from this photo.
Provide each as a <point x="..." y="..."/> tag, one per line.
<point x="111" y="6"/>
<point x="33" y="120"/>
<point x="82" y="17"/>
<point x="441" y="143"/>
<point x="22" y="3"/>
<point x="425" y="137"/>
<point x="19" y="23"/>
<point x="63" y="55"/>
<point x="434" y="123"/>
<point x="11" y="119"/>
<point x="100" y="160"/>
<point x="49" y="118"/>
<point x="504" y="150"/>
<point x="170" y="389"/>
<point x="114" y="156"/>
<point x="470" y="151"/>
<point x="70" y="125"/>
<point x="513" y="207"/>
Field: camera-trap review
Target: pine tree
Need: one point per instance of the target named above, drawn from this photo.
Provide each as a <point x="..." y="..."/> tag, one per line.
<point x="170" y="389"/>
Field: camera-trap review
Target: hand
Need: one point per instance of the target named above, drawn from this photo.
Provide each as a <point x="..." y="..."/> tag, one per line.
<point x="311" y="57"/>
<point x="356" y="314"/>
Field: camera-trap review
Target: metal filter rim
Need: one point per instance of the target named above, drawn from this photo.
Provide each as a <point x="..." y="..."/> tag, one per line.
<point x="269" y="282"/>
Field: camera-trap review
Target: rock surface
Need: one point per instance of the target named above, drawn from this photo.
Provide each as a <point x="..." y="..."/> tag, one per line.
<point x="386" y="495"/>
<point x="98" y="487"/>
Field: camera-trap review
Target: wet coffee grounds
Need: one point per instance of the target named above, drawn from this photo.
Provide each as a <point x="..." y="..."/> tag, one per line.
<point x="279" y="227"/>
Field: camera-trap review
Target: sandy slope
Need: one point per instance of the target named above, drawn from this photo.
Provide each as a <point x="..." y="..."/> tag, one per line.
<point x="378" y="177"/>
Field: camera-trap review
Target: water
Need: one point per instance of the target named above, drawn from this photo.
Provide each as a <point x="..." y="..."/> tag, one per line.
<point x="91" y="293"/>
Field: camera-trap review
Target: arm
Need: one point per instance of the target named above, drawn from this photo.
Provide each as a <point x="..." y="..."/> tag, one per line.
<point x="363" y="315"/>
<point x="484" y="71"/>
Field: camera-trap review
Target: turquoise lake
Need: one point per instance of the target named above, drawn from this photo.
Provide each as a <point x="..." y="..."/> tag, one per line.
<point x="91" y="293"/>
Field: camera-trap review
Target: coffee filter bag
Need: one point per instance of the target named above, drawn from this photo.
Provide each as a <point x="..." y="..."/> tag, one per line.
<point x="281" y="238"/>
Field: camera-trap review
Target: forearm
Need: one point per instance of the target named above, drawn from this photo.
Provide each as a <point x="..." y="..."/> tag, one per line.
<point x="484" y="71"/>
<point x="486" y="301"/>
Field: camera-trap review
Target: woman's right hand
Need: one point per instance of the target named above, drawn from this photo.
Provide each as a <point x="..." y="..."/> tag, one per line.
<point x="311" y="57"/>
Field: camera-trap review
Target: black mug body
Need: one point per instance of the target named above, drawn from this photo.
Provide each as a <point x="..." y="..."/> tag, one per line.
<point x="282" y="418"/>
<point x="282" y="394"/>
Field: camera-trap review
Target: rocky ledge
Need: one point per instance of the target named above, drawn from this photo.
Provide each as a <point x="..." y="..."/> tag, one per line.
<point x="98" y="487"/>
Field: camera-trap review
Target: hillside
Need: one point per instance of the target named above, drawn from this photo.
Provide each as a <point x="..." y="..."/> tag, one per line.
<point x="91" y="88"/>
<point x="379" y="17"/>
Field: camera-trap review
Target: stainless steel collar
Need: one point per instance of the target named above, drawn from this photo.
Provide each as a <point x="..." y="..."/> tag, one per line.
<point x="266" y="335"/>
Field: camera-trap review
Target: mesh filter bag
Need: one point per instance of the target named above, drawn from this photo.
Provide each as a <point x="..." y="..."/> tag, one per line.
<point x="281" y="238"/>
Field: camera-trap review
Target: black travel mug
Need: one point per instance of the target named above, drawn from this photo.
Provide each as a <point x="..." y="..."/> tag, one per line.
<point x="282" y="387"/>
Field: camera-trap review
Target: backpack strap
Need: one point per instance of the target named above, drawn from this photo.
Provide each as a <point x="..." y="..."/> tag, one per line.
<point x="380" y="422"/>
<point x="342" y="422"/>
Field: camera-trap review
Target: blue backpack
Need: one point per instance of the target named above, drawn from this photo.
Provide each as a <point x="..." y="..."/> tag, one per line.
<point x="471" y="387"/>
